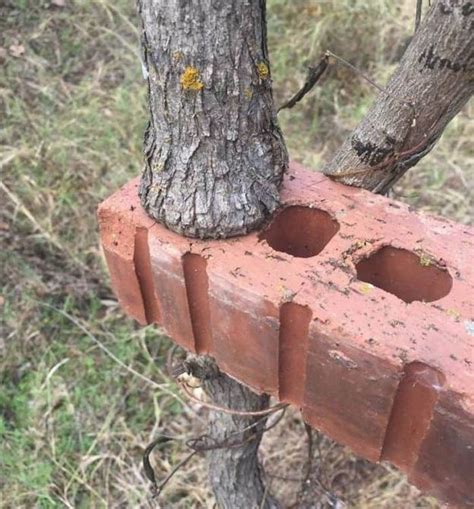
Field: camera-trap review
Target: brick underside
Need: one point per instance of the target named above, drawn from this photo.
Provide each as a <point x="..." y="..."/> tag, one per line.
<point x="391" y="380"/>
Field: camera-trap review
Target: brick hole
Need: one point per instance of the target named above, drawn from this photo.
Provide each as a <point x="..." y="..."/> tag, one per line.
<point x="197" y="286"/>
<point x="300" y="231"/>
<point x="405" y="275"/>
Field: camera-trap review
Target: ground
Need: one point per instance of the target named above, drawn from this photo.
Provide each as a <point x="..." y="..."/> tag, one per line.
<point x="83" y="389"/>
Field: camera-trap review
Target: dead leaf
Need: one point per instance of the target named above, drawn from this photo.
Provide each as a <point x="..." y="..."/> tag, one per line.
<point x="58" y="3"/>
<point x="16" y="50"/>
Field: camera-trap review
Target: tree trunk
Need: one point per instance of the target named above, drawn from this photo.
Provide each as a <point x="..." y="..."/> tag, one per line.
<point x="215" y="156"/>
<point x="215" y="159"/>
<point x="234" y="472"/>
<point x="434" y="80"/>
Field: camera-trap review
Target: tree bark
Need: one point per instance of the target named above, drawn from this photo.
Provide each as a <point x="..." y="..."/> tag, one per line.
<point x="434" y="80"/>
<point x="215" y="156"/>
<point x="234" y="472"/>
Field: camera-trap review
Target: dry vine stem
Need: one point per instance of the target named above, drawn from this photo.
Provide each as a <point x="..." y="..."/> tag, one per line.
<point x="219" y="408"/>
<point x="203" y="443"/>
<point x="206" y="443"/>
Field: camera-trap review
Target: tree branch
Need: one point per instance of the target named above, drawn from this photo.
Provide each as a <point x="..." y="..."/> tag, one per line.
<point x="432" y="83"/>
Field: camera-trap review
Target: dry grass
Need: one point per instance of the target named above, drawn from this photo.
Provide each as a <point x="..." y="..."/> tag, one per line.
<point x="80" y="399"/>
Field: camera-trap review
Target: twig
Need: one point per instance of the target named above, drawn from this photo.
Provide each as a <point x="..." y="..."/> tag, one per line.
<point x="309" y="458"/>
<point x="192" y="441"/>
<point x="314" y="74"/>
<point x="265" y="495"/>
<point x="149" y="472"/>
<point x="354" y="69"/>
<point x="419" y="5"/>
<point x="231" y="411"/>
<point x="308" y="464"/>
<point x="197" y="445"/>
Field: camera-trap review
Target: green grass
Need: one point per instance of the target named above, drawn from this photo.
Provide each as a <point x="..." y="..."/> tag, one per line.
<point x="74" y="418"/>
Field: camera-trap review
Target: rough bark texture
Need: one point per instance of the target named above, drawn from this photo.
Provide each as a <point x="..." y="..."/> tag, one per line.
<point x="215" y="156"/>
<point x="434" y="80"/>
<point x="234" y="472"/>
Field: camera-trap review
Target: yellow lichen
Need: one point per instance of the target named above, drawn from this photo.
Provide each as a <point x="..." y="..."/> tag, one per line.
<point x="425" y="260"/>
<point x="263" y="71"/>
<point x="158" y="166"/>
<point x="454" y="313"/>
<point x="248" y="93"/>
<point x="177" y="56"/>
<point x="190" y="79"/>
<point x="287" y="295"/>
<point x="360" y="244"/>
<point x="365" y="288"/>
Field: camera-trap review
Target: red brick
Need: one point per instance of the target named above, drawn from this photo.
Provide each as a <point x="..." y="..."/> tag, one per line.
<point x="349" y="392"/>
<point x="385" y="369"/>
<point x="245" y="335"/>
<point x="412" y="412"/>
<point x="168" y="277"/>
<point x="119" y="216"/>
<point x="445" y="465"/>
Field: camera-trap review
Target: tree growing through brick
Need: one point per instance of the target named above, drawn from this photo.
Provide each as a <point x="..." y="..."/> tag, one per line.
<point x="215" y="157"/>
<point x="214" y="161"/>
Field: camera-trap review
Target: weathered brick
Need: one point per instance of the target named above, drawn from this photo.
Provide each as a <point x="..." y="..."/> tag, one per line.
<point x="347" y="305"/>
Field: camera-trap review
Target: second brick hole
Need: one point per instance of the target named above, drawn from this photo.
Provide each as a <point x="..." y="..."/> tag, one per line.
<point x="300" y="231"/>
<point x="405" y="274"/>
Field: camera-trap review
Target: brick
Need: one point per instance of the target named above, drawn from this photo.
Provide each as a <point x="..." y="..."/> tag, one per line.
<point x="347" y="305"/>
<point x="349" y="393"/>
<point x="119" y="233"/>
<point x="168" y="277"/>
<point x="445" y="464"/>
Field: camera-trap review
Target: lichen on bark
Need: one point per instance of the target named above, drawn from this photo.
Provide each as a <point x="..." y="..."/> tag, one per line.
<point x="214" y="154"/>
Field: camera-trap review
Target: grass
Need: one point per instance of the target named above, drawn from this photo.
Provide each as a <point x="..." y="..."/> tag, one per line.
<point x="82" y="388"/>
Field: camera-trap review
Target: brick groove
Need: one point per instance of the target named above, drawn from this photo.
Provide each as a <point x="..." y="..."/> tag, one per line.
<point x="197" y="288"/>
<point x="141" y="259"/>
<point x="341" y="334"/>
<point x="293" y="346"/>
<point x="411" y="414"/>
